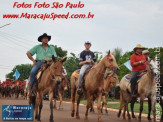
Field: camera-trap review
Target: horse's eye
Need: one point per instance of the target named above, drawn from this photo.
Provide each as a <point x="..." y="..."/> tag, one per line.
<point x="55" y="67"/>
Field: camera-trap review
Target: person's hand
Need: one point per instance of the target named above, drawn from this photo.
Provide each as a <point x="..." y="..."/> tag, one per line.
<point x="46" y="60"/>
<point x="142" y="62"/>
<point x="88" y="61"/>
<point x="34" y="63"/>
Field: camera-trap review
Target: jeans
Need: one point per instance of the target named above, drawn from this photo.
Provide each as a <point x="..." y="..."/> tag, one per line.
<point x="82" y="72"/>
<point x="34" y="72"/>
<point x="133" y="81"/>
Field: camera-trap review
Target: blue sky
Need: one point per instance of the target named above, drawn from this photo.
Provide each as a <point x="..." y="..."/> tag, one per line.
<point x="117" y="23"/>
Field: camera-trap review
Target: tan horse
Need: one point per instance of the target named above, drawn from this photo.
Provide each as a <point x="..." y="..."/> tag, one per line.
<point x="110" y="80"/>
<point x="93" y="84"/>
<point x="47" y="84"/>
<point x="61" y="90"/>
<point x="146" y="88"/>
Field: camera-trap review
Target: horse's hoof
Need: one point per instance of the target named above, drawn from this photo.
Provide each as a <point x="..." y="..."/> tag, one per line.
<point x="86" y="118"/>
<point x="77" y="117"/>
<point x="51" y="120"/>
<point x="100" y="120"/>
<point x="72" y="114"/>
<point x="149" y="118"/>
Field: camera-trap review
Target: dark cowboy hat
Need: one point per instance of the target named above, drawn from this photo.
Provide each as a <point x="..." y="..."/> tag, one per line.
<point x="42" y="36"/>
<point x="139" y="47"/>
<point x="87" y="42"/>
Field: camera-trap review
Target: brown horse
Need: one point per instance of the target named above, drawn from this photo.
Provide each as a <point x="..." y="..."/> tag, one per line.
<point x="146" y="88"/>
<point x="93" y="84"/>
<point x="47" y="83"/>
<point x="110" y="80"/>
<point x="61" y="90"/>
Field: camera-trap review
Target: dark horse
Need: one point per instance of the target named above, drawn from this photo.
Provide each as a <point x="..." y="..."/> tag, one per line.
<point x="47" y="83"/>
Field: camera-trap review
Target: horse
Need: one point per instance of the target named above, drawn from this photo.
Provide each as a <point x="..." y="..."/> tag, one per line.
<point x="110" y="80"/>
<point x="146" y="88"/>
<point x="93" y="84"/>
<point x="62" y="88"/>
<point x="47" y="83"/>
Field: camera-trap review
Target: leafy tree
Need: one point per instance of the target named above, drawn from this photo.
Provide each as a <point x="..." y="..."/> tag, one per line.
<point x="24" y="70"/>
<point x="60" y="52"/>
<point x="117" y="52"/>
<point x="71" y="64"/>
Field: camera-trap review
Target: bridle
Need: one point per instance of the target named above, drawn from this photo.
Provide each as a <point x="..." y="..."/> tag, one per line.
<point x="53" y="75"/>
<point x="111" y="65"/>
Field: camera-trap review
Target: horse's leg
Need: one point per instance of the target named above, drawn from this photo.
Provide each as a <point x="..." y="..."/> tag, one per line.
<point x="105" y="104"/>
<point x="54" y="104"/>
<point x="99" y="106"/>
<point x="60" y="98"/>
<point x="128" y="113"/>
<point x="141" y="108"/>
<point x="132" y="107"/>
<point x="77" y="108"/>
<point x="87" y="106"/>
<point x="124" y="111"/>
<point x="149" y="108"/>
<point x="153" y="102"/>
<point x="121" y="104"/>
<point x="36" y="105"/>
<point x="51" y="105"/>
<point x="40" y="107"/>
<point x="73" y="94"/>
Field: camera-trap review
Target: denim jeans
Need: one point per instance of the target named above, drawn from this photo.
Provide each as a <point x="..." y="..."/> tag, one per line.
<point x="133" y="81"/>
<point x="34" y="72"/>
<point x="82" y="72"/>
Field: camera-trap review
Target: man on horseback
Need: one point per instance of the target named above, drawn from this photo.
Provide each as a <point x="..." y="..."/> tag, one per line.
<point x="86" y="59"/>
<point x="138" y="63"/>
<point x="43" y="53"/>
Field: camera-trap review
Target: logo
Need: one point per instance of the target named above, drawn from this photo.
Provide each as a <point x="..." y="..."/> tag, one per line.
<point x="17" y="112"/>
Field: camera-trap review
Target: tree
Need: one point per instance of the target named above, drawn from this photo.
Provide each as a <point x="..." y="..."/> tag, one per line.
<point x="24" y="70"/>
<point x="117" y="52"/>
<point x="71" y="64"/>
<point x="60" y="52"/>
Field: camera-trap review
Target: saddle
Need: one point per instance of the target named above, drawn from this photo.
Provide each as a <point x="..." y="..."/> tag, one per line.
<point x="139" y="76"/>
<point x="40" y="71"/>
<point x="76" y="75"/>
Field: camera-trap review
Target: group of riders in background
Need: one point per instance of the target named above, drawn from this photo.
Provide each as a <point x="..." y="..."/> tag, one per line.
<point x="14" y="88"/>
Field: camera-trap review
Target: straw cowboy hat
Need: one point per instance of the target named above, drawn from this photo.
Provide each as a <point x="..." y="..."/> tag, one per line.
<point x="139" y="47"/>
<point x="42" y="36"/>
<point x="145" y="52"/>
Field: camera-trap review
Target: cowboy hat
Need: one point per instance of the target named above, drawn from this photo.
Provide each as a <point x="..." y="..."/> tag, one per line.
<point x="145" y="52"/>
<point x="42" y="36"/>
<point x="88" y="42"/>
<point x="139" y="47"/>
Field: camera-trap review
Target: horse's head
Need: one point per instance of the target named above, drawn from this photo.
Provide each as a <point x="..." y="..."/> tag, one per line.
<point x="153" y="65"/>
<point x="112" y="78"/>
<point x="110" y="62"/>
<point x="56" y="68"/>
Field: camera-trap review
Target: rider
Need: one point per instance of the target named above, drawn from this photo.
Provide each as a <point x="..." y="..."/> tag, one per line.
<point x="86" y="58"/>
<point x="43" y="53"/>
<point x="138" y="63"/>
<point x="146" y="53"/>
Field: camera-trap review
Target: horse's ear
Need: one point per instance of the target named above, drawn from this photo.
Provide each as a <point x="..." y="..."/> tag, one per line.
<point x="109" y="52"/>
<point x="64" y="59"/>
<point x="53" y="58"/>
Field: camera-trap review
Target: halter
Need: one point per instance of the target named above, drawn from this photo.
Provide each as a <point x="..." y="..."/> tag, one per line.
<point x="111" y="66"/>
<point x="53" y="75"/>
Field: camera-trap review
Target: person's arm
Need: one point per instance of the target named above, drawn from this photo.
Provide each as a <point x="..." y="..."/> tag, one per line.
<point x="31" y="58"/>
<point x="84" y="62"/>
<point x="31" y="52"/>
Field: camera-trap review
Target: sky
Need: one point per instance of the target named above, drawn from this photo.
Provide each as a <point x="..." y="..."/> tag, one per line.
<point x="116" y="23"/>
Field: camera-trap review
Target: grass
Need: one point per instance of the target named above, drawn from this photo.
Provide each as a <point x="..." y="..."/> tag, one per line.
<point x="117" y="104"/>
